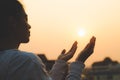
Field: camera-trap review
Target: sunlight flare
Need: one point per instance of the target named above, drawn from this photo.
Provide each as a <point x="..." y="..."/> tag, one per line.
<point x="81" y="32"/>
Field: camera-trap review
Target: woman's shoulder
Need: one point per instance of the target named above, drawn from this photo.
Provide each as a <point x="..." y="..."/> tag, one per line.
<point x="14" y="54"/>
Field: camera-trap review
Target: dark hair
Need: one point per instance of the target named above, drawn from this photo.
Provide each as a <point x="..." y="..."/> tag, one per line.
<point x="8" y="8"/>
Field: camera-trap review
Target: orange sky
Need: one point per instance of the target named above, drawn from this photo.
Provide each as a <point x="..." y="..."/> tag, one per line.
<point x="55" y="25"/>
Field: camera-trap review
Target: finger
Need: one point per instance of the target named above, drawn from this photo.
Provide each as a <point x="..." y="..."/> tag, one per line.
<point x="87" y="46"/>
<point x="74" y="47"/>
<point x="91" y="43"/>
<point x="93" y="39"/>
<point x="90" y="47"/>
<point x="63" y="51"/>
<point x="71" y="52"/>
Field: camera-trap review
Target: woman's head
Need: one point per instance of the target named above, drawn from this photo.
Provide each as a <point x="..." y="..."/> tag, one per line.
<point x="13" y="22"/>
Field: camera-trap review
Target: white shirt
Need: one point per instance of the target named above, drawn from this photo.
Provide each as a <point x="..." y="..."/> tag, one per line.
<point x="20" y="65"/>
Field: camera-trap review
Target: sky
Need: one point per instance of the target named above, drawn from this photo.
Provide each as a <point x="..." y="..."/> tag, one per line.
<point x="56" y="24"/>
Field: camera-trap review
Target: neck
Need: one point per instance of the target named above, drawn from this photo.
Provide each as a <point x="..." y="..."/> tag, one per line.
<point x="8" y="45"/>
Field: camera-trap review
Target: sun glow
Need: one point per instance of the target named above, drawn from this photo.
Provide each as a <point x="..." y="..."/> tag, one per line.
<point x="81" y="32"/>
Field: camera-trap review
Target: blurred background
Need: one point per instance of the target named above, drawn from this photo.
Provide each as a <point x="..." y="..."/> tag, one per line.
<point x="56" y="24"/>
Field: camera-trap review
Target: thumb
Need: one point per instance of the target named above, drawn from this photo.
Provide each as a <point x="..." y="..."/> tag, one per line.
<point x="63" y="51"/>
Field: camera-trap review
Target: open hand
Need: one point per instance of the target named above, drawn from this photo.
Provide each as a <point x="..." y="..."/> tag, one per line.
<point x="87" y="51"/>
<point x="67" y="56"/>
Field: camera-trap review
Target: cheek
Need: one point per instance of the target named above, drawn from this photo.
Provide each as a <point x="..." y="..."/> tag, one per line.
<point x="22" y="31"/>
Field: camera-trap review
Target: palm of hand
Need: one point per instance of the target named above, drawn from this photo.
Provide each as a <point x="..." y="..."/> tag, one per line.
<point x="67" y="56"/>
<point x="87" y="51"/>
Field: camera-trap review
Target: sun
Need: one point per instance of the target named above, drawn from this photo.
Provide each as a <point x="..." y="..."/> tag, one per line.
<point x="81" y="32"/>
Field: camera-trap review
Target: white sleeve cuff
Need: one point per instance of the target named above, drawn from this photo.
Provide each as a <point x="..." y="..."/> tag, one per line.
<point x="76" y="67"/>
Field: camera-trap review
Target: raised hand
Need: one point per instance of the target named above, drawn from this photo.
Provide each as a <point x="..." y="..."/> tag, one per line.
<point x="67" y="56"/>
<point x="87" y="51"/>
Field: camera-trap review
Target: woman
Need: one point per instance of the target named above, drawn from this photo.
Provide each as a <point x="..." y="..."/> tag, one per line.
<point x="21" y="65"/>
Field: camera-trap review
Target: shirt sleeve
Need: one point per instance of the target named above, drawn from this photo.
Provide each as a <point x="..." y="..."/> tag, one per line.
<point x="59" y="70"/>
<point x="26" y="68"/>
<point x="75" y="71"/>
